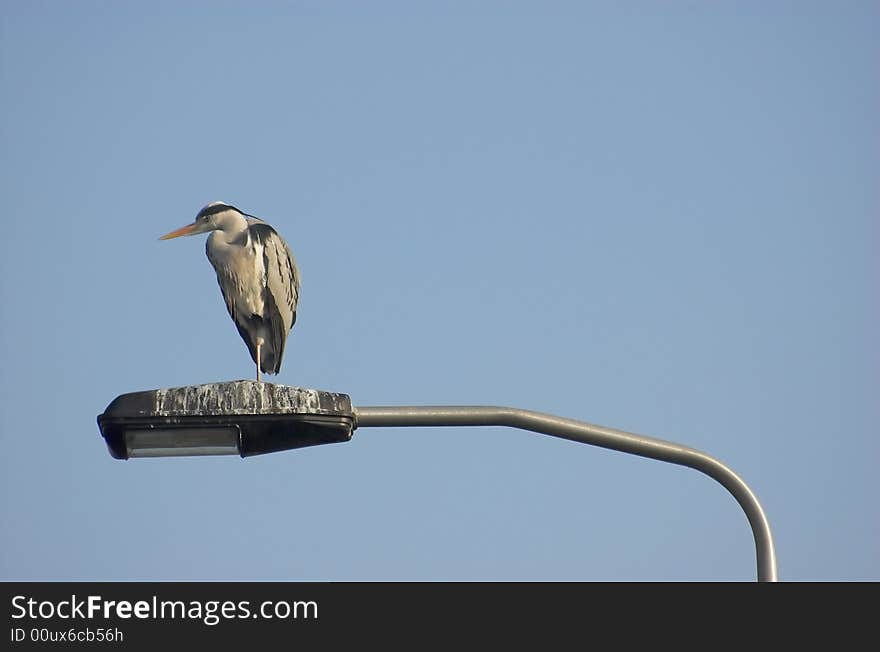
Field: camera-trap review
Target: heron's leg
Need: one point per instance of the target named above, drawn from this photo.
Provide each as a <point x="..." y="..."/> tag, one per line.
<point x="259" y="357"/>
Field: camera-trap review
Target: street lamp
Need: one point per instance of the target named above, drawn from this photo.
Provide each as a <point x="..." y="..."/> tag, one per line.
<point x="238" y="418"/>
<point x="250" y="418"/>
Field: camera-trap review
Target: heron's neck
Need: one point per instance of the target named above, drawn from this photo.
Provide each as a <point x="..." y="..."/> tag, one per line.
<point x="231" y="226"/>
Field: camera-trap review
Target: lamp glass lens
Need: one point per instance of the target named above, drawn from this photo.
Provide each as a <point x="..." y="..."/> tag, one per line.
<point x="175" y="442"/>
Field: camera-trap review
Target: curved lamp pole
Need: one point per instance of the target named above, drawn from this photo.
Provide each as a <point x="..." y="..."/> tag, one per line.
<point x="586" y="433"/>
<point x="249" y="418"/>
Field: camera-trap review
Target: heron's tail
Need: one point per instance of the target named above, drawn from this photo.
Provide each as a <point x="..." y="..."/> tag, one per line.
<point x="271" y="363"/>
<point x="272" y="350"/>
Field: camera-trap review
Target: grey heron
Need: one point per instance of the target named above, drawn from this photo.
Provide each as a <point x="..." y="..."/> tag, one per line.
<point x="257" y="275"/>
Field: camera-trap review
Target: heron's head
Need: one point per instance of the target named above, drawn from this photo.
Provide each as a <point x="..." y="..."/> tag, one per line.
<point x="214" y="216"/>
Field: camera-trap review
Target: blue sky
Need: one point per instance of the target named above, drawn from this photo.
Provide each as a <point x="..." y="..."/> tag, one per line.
<point x="659" y="217"/>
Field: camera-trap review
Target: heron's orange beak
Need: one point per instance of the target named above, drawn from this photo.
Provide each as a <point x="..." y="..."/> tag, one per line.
<point x="189" y="229"/>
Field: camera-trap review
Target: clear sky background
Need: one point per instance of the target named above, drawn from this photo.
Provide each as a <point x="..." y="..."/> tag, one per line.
<point x="654" y="216"/>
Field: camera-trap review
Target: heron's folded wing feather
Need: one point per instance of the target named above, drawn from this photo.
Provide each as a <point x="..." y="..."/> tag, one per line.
<point x="282" y="285"/>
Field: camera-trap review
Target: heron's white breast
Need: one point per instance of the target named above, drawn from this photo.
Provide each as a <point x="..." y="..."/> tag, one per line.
<point x="240" y="272"/>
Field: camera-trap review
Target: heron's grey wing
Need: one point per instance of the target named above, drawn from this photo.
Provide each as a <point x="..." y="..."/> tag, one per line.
<point x="282" y="286"/>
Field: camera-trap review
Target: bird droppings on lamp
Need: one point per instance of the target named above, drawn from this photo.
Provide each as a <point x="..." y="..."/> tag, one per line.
<point x="241" y="417"/>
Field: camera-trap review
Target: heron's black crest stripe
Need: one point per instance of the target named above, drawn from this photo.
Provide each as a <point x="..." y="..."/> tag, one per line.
<point x="216" y="208"/>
